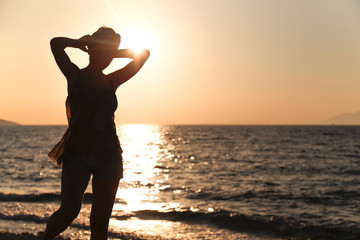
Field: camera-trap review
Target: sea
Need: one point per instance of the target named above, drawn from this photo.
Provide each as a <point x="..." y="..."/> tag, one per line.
<point x="198" y="182"/>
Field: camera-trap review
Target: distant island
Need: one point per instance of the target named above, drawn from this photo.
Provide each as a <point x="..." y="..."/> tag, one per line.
<point x="345" y="118"/>
<point x="7" y="123"/>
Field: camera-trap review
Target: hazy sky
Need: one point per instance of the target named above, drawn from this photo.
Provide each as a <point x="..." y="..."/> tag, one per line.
<point x="212" y="62"/>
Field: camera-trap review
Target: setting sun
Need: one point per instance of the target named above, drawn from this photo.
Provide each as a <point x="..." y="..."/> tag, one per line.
<point x="136" y="39"/>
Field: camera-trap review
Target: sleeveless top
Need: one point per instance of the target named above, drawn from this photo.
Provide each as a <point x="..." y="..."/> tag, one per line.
<point x="91" y="134"/>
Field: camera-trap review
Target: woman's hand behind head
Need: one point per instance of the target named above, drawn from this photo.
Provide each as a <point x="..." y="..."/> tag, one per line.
<point x="85" y="42"/>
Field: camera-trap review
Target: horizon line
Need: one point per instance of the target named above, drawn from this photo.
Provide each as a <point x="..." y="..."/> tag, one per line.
<point x="210" y="124"/>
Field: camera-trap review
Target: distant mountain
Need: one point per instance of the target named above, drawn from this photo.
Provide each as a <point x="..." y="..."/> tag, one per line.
<point x="7" y="123"/>
<point x="345" y="118"/>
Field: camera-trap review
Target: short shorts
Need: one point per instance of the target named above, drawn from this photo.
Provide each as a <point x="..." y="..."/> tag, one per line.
<point x="113" y="169"/>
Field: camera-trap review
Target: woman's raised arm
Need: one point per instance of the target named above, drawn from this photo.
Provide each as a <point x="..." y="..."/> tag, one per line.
<point x="122" y="75"/>
<point x="58" y="45"/>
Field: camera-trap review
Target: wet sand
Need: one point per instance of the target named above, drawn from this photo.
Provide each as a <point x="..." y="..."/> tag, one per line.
<point x="38" y="236"/>
<point x="24" y="236"/>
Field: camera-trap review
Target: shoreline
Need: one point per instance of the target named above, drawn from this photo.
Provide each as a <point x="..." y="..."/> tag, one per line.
<point x="6" y="235"/>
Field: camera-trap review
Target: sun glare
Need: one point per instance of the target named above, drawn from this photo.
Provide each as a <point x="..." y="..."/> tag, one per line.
<point x="136" y="40"/>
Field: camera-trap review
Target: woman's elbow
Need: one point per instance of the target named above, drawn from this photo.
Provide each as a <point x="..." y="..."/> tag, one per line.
<point x="54" y="42"/>
<point x="146" y="53"/>
<point x="142" y="56"/>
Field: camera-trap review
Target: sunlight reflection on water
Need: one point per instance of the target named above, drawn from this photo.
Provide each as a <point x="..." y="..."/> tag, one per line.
<point x="147" y="188"/>
<point x="142" y="179"/>
<point x="138" y="190"/>
<point x="141" y="152"/>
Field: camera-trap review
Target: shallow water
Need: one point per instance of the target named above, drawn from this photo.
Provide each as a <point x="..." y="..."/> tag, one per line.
<point x="201" y="182"/>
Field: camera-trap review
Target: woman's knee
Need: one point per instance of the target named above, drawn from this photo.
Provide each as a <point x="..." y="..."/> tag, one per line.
<point x="70" y="211"/>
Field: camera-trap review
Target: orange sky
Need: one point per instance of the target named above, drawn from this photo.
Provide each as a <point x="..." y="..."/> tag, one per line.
<point x="212" y="62"/>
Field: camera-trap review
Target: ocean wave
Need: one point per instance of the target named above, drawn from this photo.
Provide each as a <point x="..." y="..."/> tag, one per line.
<point x="352" y="172"/>
<point x="166" y="167"/>
<point x="35" y="219"/>
<point x="43" y="197"/>
<point x="326" y="198"/>
<point x="343" y="194"/>
<point x="288" y="228"/>
<point x="24" y="217"/>
<point x="270" y="225"/>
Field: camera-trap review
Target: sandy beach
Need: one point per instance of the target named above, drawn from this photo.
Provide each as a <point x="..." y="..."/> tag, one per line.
<point x="23" y="236"/>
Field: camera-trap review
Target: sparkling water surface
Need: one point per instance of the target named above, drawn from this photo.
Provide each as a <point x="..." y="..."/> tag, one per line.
<point x="200" y="182"/>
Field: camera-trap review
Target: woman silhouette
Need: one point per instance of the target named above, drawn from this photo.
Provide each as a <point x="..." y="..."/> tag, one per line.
<point x="90" y="145"/>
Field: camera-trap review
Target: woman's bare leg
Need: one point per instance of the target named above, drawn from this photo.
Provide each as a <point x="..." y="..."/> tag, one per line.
<point x="73" y="185"/>
<point x="104" y="192"/>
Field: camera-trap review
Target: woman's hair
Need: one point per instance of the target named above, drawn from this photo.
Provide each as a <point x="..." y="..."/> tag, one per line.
<point x="105" y="36"/>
